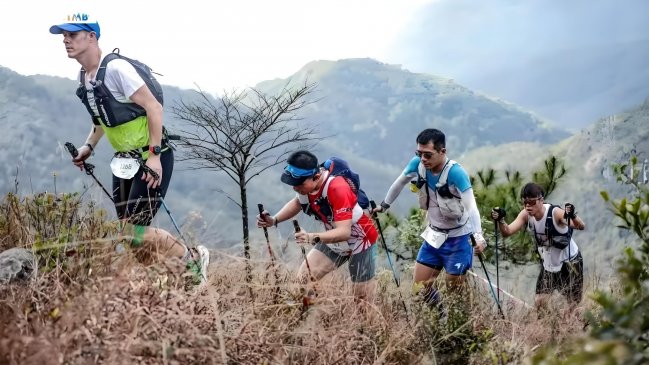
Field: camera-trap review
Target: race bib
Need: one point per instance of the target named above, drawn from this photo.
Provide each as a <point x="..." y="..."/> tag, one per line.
<point x="124" y="167"/>
<point x="433" y="237"/>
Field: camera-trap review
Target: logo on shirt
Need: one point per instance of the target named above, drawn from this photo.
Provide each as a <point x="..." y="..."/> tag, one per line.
<point x="343" y="210"/>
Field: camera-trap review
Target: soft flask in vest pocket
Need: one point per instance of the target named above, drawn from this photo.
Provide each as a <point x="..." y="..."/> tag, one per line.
<point x="449" y="205"/>
<point x="419" y="187"/>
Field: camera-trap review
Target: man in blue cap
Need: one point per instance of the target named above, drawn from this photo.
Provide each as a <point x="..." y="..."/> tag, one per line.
<point x="76" y="27"/>
<point x="349" y="234"/>
<point x="124" y="109"/>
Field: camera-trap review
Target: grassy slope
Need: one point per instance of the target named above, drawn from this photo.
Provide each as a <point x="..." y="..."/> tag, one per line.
<point x="90" y="304"/>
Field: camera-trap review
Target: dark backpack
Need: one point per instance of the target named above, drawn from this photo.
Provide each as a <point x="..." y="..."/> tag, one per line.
<point x="556" y="239"/>
<point x="339" y="167"/>
<point x="113" y="112"/>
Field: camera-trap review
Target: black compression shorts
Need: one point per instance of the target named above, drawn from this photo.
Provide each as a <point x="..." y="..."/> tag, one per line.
<point x="134" y="201"/>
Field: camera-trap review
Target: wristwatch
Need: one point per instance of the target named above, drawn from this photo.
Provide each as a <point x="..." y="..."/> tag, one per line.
<point x="155" y="150"/>
<point x="316" y="239"/>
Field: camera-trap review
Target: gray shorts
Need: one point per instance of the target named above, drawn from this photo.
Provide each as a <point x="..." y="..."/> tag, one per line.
<point x="362" y="266"/>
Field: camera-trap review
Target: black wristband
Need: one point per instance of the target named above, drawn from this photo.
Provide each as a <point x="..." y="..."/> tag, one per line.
<point x="90" y="146"/>
<point x="385" y="205"/>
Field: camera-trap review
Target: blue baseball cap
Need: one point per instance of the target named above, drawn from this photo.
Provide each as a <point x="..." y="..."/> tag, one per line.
<point x="76" y="22"/>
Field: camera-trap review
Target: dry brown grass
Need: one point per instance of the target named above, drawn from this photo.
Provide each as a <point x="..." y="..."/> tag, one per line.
<point x="92" y="305"/>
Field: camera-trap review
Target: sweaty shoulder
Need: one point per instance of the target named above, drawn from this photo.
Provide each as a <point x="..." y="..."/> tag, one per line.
<point x="411" y="168"/>
<point x="458" y="176"/>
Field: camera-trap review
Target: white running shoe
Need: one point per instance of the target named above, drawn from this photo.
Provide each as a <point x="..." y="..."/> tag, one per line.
<point x="204" y="259"/>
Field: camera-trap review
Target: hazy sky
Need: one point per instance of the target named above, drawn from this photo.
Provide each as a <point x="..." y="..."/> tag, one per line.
<point x="216" y="44"/>
<point x="569" y="61"/>
<point x="472" y="38"/>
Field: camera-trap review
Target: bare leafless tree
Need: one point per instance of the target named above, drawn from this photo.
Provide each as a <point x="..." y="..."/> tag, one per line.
<point x="243" y="134"/>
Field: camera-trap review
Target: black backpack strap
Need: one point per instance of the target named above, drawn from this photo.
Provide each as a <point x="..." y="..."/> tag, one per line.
<point x="551" y="231"/>
<point x="82" y="94"/>
<point x="101" y="71"/>
<point x="549" y="220"/>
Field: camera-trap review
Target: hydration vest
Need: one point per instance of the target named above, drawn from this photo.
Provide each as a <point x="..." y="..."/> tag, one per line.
<point x="555" y="239"/>
<point x="450" y="205"/>
<point x="111" y="111"/>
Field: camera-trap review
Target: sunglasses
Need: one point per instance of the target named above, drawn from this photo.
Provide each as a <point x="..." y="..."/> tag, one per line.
<point x="530" y="202"/>
<point x="424" y="154"/>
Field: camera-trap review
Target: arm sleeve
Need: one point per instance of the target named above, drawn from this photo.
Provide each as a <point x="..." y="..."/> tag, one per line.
<point x="395" y="188"/>
<point x="468" y="201"/>
<point x="408" y="174"/>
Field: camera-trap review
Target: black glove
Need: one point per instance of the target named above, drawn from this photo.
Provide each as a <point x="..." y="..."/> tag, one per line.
<point x="569" y="212"/>
<point x="498" y="214"/>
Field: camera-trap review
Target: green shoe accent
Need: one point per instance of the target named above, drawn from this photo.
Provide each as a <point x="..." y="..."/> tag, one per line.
<point x="138" y="236"/>
<point x="194" y="267"/>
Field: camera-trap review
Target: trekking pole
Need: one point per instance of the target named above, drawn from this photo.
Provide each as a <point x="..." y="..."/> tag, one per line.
<point x="270" y="249"/>
<point x="296" y="225"/>
<point x="486" y="273"/>
<point x="385" y="246"/>
<point x="173" y="221"/>
<point x="155" y="175"/>
<point x="387" y="253"/>
<point x="272" y="256"/>
<point x="306" y="299"/>
<point x="88" y="167"/>
<point x="571" y="268"/>
<point x="497" y="264"/>
<point x="568" y="222"/>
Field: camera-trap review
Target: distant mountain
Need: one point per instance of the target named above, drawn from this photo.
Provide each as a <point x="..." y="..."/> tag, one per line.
<point x="378" y="107"/>
<point x="373" y="112"/>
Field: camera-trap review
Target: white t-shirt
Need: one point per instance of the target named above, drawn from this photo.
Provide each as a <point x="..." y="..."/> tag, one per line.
<point x="552" y="257"/>
<point x="121" y="79"/>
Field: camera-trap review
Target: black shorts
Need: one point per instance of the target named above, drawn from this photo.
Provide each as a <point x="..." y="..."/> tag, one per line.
<point x="362" y="266"/>
<point x="569" y="281"/>
<point x="134" y="201"/>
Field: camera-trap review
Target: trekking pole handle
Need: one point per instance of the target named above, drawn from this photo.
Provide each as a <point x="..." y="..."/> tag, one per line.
<point x="146" y="168"/>
<point x="73" y="150"/>
<point x="261" y="209"/>
<point x="375" y="215"/>
<point x="296" y="225"/>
